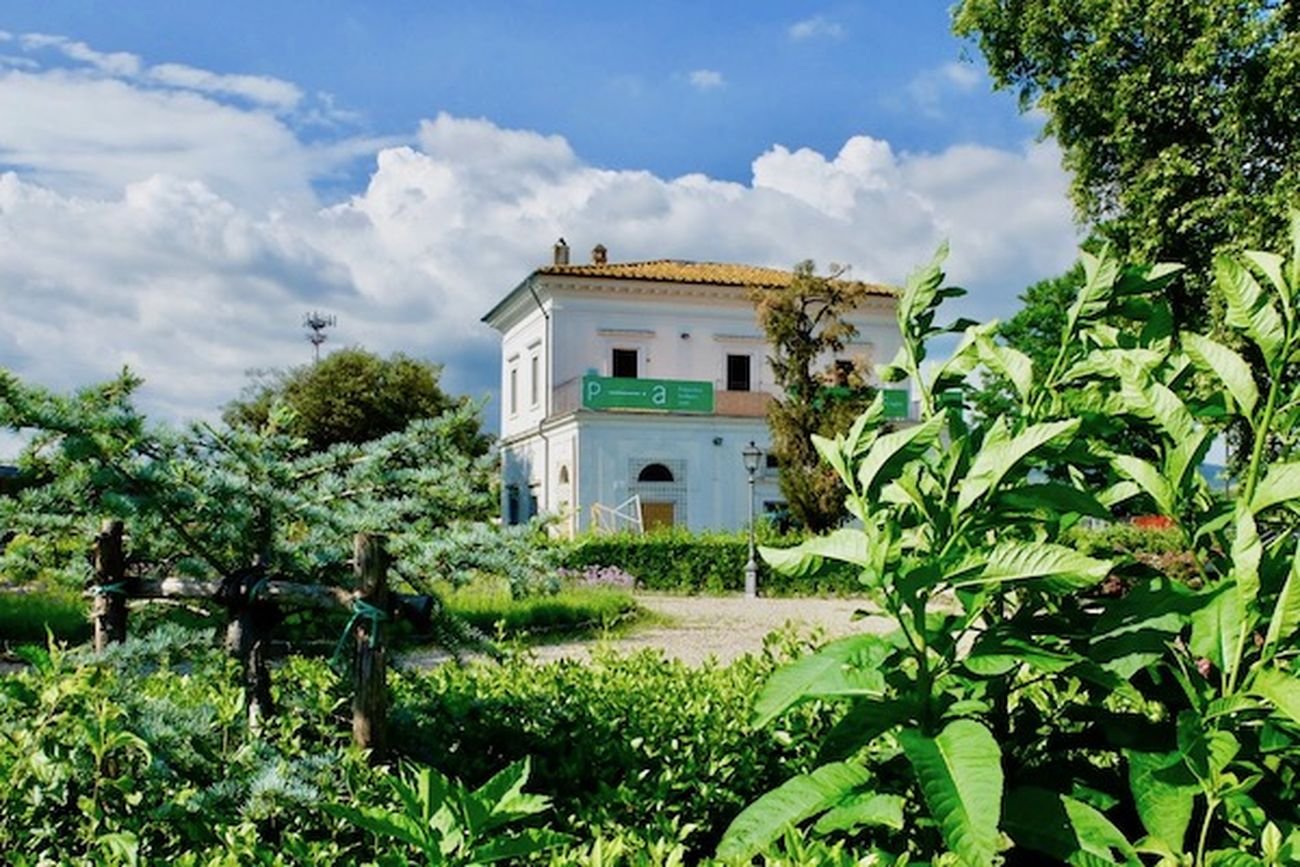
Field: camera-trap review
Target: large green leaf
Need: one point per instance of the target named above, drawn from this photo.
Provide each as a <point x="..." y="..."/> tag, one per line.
<point x="518" y="845"/>
<point x="847" y="544"/>
<point x="1286" y="612"/>
<point x="1206" y="751"/>
<point x="1280" y="689"/>
<point x="1017" y="561"/>
<point x="960" y="774"/>
<point x="865" y="720"/>
<point x="788" y="804"/>
<point x="1011" y="363"/>
<point x="921" y="290"/>
<point x="1145" y="397"/>
<point x="1271" y="266"/>
<point x="1217" y="627"/>
<point x="1280" y="484"/>
<point x="1250" y="310"/>
<point x="1066" y="829"/>
<point x="1164" y="792"/>
<point x="1246" y="553"/>
<point x="863" y="808"/>
<point x="1100" y="274"/>
<point x="1183" y="461"/>
<point x="1051" y="497"/>
<point x="848" y="666"/>
<point x="1149" y="479"/>
<point x="1231" y="369"/>
<point x="503" y="799"/>
<point x="994" y="654"/>
<point x="891" y="452"/>
<point x="997" y="459"/>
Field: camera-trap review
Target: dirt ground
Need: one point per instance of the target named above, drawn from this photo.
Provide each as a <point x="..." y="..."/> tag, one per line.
<point x="698" y="627"/>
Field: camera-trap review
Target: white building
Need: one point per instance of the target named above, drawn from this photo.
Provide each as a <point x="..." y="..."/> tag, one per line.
<point x="644" y="378"/>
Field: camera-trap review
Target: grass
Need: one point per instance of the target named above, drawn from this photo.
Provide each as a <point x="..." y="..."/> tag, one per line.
<point x="572" y="612"/>
<point x="25" y="615"/>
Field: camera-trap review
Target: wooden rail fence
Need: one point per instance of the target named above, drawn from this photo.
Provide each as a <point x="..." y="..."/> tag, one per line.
<point x="254" y="599"/>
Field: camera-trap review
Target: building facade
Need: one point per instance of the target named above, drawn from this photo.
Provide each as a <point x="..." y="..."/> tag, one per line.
<point x="644" y="379"/>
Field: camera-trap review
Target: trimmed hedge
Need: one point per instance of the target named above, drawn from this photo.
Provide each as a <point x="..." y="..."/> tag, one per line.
<point x="679" y="561"/>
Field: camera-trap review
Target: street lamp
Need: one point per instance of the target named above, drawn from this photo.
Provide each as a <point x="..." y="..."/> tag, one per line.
<point x="751" y="455"/>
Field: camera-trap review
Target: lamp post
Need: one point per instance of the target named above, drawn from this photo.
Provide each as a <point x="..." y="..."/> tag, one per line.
<point x="751" y="455"/>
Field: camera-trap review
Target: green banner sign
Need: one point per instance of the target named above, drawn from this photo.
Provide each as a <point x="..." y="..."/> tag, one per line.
<point x="668" y="395"/>
<point x="898" y="403"/>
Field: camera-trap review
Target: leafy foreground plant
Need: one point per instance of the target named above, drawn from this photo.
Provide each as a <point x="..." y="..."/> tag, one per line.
<point x="1019" y="705"/>
<point x="447" y="823"/>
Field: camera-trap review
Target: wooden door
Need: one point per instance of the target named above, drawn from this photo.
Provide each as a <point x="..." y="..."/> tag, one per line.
<point x="654" y="515"/>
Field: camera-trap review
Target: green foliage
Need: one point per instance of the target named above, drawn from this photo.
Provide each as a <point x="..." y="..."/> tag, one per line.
<point x="142" y="753"/>
<point x="1177" y="118"/>
<point x="805" y="323"/>
<point x="640" y="747"/>
<point x="353" y="396"/>
<point x="676" y="560"/>
<point x="207" y="501"/>
<point x="1034" y="330"/>
<point x="1041" y="697"/>
<point x="26" y="614"/>
<point x="447" y="824"/>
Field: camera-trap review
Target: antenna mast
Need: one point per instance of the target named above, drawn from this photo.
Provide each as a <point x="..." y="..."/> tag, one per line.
<point x="317" y="323"/>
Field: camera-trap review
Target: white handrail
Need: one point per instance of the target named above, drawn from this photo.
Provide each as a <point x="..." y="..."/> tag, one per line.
<point x="625" y="516"/>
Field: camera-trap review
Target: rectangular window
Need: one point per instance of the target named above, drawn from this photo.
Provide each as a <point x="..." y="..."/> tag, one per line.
<point x="773" y="462"/>
<point x="624" y="363"/>
<point x="737" y="373"/>
<point x="843" y="371"/>
<point x="535" y="388"/>
<point x="514" y="390"/>
<point x="512" y="504"/>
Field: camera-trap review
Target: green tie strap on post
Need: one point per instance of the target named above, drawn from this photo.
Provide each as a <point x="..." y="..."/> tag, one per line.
<point x="256" y="589"/>
<point x="116" y="587"/>
<point x="360" y="610"/>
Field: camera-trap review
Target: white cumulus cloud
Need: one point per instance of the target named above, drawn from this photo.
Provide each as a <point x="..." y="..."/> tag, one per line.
<point x="706" y="79"/>
<point x="180" y="234"/>
<point x="928" y="89"/>
<point x="818" y="26"/>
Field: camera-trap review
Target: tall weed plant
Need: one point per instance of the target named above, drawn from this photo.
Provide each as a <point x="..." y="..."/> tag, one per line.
<point x="1023" y="708"/>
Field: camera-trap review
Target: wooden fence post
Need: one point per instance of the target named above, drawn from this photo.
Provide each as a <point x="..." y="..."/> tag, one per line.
<point x="370" y="691"/>
<point x="248" y="637"/>
<point x="248" y="633"/>
<point x="108" y="608"/>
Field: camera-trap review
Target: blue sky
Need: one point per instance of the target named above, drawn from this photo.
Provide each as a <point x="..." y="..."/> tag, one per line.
<point x="179" y="182"/>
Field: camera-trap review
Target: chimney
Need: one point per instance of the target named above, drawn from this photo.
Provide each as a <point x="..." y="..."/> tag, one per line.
<point x="599" y="255"/>
<point x="561" y="252"/>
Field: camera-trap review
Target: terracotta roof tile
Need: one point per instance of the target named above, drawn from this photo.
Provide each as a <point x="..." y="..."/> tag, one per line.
<point x="680" y="271"/>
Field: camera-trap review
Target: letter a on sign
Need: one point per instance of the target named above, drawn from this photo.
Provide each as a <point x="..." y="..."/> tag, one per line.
<point x="659" y="396"/>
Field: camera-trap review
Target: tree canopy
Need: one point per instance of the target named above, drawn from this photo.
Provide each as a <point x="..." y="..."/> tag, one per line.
<point x="806" y="326"/>
<point x="1179" y="119"/>
<point x="354" y="396"/>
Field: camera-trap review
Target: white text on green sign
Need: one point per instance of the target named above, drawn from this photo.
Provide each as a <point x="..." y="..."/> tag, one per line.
<point x="666" y="395"/>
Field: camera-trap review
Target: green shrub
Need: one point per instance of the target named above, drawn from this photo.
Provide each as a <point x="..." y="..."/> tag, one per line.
<point x="676" y="560"/>
<point x="637" y="744"/>
<point x="1159" y="548"/>
<point x="144" y="751"/>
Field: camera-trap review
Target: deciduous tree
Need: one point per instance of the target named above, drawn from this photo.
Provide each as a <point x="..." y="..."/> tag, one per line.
<point x="1179" y="119"/>
<point x="807" y="328"/>
<point x="354" y="396"/>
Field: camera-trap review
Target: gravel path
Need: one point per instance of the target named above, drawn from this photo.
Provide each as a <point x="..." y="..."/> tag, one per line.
<point x="725" y="626"/>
